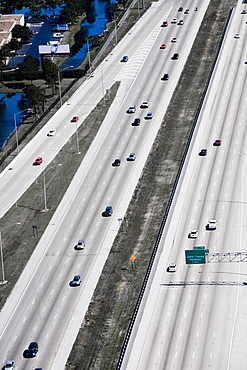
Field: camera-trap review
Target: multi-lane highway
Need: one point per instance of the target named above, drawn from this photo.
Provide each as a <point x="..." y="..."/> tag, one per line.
<point x="43" y="307"/>
<point x="195" y="318"/>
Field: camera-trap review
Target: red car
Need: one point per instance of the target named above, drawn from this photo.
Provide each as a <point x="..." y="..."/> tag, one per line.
<point x="37" y="161"/>
<point x="217" y="143"/>
<point x="164" y="24"/>
<point x="163" y="46"/>
<point x="75" y="119"/>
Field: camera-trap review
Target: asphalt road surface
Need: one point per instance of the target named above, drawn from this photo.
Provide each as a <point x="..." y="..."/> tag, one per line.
<point x="43" y="307"/>
<point x="196" y="317"/>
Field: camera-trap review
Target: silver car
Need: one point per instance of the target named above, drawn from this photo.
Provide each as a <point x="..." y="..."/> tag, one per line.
<point x="131" y="157"/>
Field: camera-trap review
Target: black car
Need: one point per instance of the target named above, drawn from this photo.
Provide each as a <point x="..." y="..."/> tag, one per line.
<point x="175" y="56"/>
<point x="108" y="211"/>
<point x="180" y="9"/>
<point x="136" y="122"/>
<point x="116" y="163"/>
<point x="203" y="152"/>
<point x="165" y="77"/>
<point x="31" y="351"/>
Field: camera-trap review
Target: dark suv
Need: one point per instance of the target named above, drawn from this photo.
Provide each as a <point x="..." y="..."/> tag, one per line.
<point x="165" y="77"/>
<point x="31" y="351"/>
<point x="108" y="212"/>
<point x="175" y="56"/>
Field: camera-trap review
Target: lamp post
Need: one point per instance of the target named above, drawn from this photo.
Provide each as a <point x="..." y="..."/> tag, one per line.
<point x="16" y="134"/>
<point x="3" y="281"/>
<point x="89" y="60"/>
<point x="47" y="209"/>
<point x="59" y="84"/>
<point x="115" y="28"/>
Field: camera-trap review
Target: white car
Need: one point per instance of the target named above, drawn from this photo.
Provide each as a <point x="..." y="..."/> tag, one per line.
<point x="144" y="104"/>
<point x="172" y="267"/>
<point x="131" y="157"/>
<point x="80" y="245"/>
<point x="212" y="225"/>
<point x="180" y="22"/>
<point x="193" y="234"/>
<point x="10" y="365"/>
<point x="132" y="109"/>
<point x="149" y="115"/>
<point x="174" y="39"/>
<point x="187" y="11"/>
<point x="174" y="20"/>
<point x="237" y="36"/>
<point x="52" y="132"/>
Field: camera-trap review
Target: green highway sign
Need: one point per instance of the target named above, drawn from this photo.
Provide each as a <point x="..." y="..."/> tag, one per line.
<point x="195" y="256"/>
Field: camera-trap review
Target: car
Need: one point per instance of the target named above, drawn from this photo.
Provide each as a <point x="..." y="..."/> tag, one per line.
<point x="174" y="20"/>
<point x="37" y="161"/>
<point x="164" y="24"/>
<point x="131" y="109"/>
<point x="58" y="34"/>
<point x="237" y="36"/>
<point x="52" y="132"/>
<point x="165" y="77"/>
<point x="108" y="211"/>
<point x="163" y="46"/>
<point x="180" y="9"/>
<point x="186" y="11"/>
<point x="149" y="115"/>
<point x="131" y="157"/>
<point x="125" y="58"/>
<point x="181" y="22"/>
<point x="136" y="122"/>
<point x="172" y="267"/>
<point x="193" y="234"/>
<point x="217" y="143"/>
<point x="76" y="281"/>
<point x="175" y="56"/>
<point x="75" y="119"/>
<point x="31" y="351"/>
<point x="116" y="163"/>
<point x="203" y="152"/>
<point x="174" y="39"/>
<point x="244" y="11"/>
<point x="80" y="245"/>
<point x="144" y="104"/>
<point x="10" y="365"/>
<point x="211" y="225"/>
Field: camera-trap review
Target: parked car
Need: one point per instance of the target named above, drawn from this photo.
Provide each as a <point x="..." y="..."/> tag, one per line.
<point x="80" y="245"/>
<point x="131" y="157"/>
<point x="125" y="58"/>
<point x="76" y="281"/>
<point x="116" y="163"/>
<point x="37" y="161"/>
<point x="108" y="211"/>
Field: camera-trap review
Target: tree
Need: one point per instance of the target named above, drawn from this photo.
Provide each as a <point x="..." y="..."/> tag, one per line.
<point x="111" y="9"/>
<point x="35" y="6"/>
<point x="50" y="74"/>
<point x="52" y="4"/>
<point x="35" y="96"/>
<point x="94" y="40"/>
<point x="22" y="32"/>
<point x="5" y="52"/>
<point x="30" y="66"/>
<point x="72" y="10"/>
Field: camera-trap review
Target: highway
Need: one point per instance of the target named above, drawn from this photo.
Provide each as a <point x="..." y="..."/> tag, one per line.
<point x="43" y="307"/>
<point x="195" y="318"/>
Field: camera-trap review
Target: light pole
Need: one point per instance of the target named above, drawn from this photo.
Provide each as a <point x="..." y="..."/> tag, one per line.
<point x="47" y="209"/>
<point x="77" y="139"/>
<point x="89" y="60"/>
<point x="3" y="281"/>
<point x="59" y="84"/>
<point x="115" y="28"/>
<point x="16" y="134"/>
<point x="102" y="83"/>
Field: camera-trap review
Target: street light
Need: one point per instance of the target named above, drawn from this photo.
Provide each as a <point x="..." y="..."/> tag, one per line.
<point x="89" y="60"/>
<point x="115" y="29"/>
<point x="59" y="83"/>
<point x="16" y="134"/>
<point x="47" y="209"/>
<point x="3" y="281"/>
